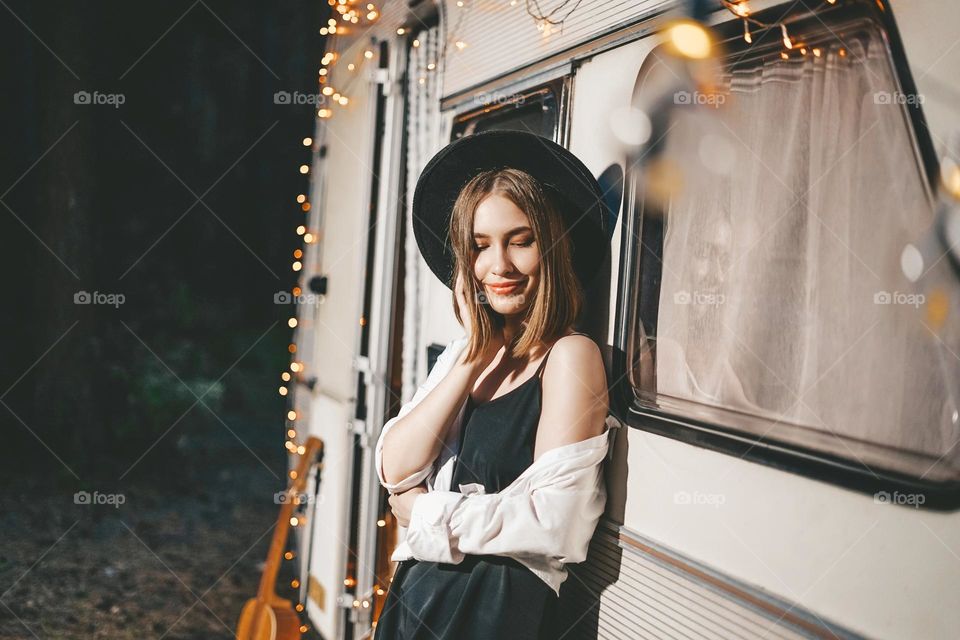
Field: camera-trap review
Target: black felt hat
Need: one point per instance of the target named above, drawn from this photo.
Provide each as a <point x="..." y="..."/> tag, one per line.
<point x="574" y="189"/>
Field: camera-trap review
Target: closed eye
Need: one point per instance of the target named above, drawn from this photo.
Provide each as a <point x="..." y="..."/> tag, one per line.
<point x="515" y="244"/>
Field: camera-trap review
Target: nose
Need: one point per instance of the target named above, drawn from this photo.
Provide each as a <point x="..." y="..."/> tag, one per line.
<point x="501" y="263"/>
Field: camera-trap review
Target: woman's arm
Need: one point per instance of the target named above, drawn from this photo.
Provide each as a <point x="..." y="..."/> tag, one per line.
<point x="575" y="402"/>
<point x="552" y="512"/>
<point x="411" y="441"/>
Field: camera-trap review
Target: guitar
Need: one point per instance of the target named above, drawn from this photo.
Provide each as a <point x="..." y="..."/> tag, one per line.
<point x="268" y="616"/>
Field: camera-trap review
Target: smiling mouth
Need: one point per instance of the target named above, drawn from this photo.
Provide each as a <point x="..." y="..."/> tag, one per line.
<point x="504" y="289"/>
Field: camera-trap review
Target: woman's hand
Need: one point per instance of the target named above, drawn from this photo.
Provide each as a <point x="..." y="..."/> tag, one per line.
<point x="402" y="504"/>
<point x="496" y="342"/>
<point x="461" y="293"/>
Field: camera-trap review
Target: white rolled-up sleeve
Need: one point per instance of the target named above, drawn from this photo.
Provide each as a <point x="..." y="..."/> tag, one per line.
<point x="555" y="521"/>
<point x="440" y="369"/>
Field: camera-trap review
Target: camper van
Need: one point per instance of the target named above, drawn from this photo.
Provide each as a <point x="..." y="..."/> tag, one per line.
<point x="778" y="314"/>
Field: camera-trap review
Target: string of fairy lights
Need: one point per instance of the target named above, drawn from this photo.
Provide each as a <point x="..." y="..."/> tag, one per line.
<point x="742" y="9"/>
<point x="352" y="17"/>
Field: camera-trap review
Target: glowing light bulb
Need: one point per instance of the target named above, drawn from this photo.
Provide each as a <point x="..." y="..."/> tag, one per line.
<point x="950" y="177"/>
<point x="689" y="39"/>
<point x="787" y="42"/>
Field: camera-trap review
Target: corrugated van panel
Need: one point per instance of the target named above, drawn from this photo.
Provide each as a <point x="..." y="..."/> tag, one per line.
<point x="500" y="36"/>
<point x="630" y="587"/>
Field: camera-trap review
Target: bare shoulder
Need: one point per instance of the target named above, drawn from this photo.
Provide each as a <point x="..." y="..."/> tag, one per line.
<point x="577" y="356"/>
<point x="578" y="347"/>
<point x="575" y="401"/>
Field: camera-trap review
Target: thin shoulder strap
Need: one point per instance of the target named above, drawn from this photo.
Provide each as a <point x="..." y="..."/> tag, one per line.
<point x="543" y="362"/>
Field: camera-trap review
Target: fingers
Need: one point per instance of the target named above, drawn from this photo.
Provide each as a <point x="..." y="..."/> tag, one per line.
<point x="403" y="522"/>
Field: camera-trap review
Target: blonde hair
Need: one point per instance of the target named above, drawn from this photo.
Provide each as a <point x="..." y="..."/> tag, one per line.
<point x="558" y="299"/>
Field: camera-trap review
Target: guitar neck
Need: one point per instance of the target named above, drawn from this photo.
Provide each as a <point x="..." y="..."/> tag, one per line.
<point x="268" y="580"/>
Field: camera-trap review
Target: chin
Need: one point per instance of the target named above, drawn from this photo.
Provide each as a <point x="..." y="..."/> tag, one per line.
<point x="507" y="309"/>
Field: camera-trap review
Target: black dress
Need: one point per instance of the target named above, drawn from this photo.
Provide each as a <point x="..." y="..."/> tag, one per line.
<point x="485" y="597"/>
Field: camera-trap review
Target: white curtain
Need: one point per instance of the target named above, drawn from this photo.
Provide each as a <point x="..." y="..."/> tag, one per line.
<point x="783" y="247"/>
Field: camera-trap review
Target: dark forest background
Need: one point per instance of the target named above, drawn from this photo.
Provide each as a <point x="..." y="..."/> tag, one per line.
<point x="104" y="198"/>
<point x="182" y="200"/>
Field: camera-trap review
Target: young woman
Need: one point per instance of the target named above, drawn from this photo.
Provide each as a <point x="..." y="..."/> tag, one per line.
<point x="517" y="293"/>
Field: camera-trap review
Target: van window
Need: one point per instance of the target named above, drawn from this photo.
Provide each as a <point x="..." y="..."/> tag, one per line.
<point x="774" y="292"/>
<point x="534" y="110"/>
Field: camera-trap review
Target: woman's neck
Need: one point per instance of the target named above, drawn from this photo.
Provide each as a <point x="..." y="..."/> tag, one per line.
<point x="512" y="327"/>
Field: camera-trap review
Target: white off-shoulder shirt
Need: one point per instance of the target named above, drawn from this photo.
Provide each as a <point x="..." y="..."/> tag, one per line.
<point x="544" y="519"/>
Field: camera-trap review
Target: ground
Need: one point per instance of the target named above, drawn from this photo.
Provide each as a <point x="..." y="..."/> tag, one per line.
<point x="176" y="560"/>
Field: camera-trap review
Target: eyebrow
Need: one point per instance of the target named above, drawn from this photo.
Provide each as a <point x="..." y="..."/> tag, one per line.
<point x="509" y="233"/>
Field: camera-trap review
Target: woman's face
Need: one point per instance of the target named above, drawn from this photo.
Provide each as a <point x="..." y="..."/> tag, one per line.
<point x="506" y="257"/>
